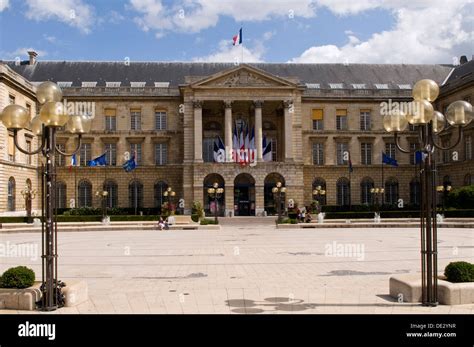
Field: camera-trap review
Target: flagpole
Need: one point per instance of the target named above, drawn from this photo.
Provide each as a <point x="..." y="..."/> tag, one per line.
<point x="383" y="185"/>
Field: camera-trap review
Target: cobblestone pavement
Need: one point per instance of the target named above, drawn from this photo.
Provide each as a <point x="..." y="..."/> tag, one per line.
<point x="247" y="267"/>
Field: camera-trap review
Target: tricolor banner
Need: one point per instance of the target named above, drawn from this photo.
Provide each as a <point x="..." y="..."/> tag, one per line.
<point x="237" y="39"/>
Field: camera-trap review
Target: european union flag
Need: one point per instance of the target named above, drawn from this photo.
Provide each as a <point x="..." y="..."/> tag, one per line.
<point x="419" y="157"/>
<point x="130" y="164"/>
<point x="99" y="161"/>
<point x="388" y="160"/>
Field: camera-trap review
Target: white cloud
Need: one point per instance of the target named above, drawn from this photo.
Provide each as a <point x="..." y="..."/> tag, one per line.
<point x="425" y="32"/>
<point x="227" y="53"/>
<point x="72" y="12"/>
<point x="195" y="15"/>
<point x="4" y="4"/>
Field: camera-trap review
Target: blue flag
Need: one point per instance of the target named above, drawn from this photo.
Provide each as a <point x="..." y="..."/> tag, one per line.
<point x="419" y="157"/>
<point x="130" y="164"/>
<point x="99" y="161"/>
<point x="388" y="160"/>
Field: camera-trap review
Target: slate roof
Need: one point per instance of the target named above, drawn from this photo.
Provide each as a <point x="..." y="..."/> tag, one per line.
<point x="461" y="75"/>
<point x="175" y="72"/>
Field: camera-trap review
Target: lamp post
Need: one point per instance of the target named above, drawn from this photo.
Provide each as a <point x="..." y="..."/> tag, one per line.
<point x="430" y="123"/>
<point x="376" y="192"/>
<point x="279" y="192"/>
<point x="169" y="193"/>
<point x="103" y="201"/>
<point x="28" y="195"/>
<point x="215" y="192"/>
<point x="319" y="192"/>
<point x="53" y="114"/>
<point x="444" y="190"/>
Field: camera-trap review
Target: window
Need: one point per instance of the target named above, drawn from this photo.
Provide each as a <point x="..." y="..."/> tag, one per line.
<point x="391" y="150"/>
<point x="135" y="194"/>
<point x="319" y="182"/>
<point x="391" y="191"/>
<point x="208" y="149"/>
<point x="159" y="188"/>
<point x="61" y="197"/>
<point x="136" y="150"/>
<point x="342" y="148"/>
<point x="85" y="154"/>
<point x="318" y="154"/>
<point x="412" y="127"/>
<point x="135" y="119"/>
<point x="11" y="99"/>
<point x="364" y="119"/>
<point x="365" y="186"/>
<point x="11" y="194"/>
<point x="341" y="119"/>
<point x="343" y="191"/>
<point x="317" y="116"/>
<point x="110" y="119"/>
<point x="415" y="192"/>
<point x="28" y="109"/>
<point x="161" y="153"/>
<point x="468" y="148"/>
<point x="112" y="197"/>
<point x="366" y="153"/>
<point x="28" y="148"/>
<point x="160" y="120"/>
<point x="85" y="193"/>
<point x="413" y="148"/>
<point x="11" y="148"/>
<point x="59" y="158"/>
<point x="274" y="147"/>
<point x="111" y="153"/>
<point x="468" y="180"/>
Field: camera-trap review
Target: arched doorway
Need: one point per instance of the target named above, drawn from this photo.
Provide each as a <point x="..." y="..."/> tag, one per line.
<point x="269" y="199"/>
<point x="209" y="202"/>
<point x="244" y="195"/>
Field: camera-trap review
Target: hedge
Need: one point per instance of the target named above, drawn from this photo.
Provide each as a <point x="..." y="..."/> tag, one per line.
<point x="459" y="271"/>
<point x="17" y="277"/>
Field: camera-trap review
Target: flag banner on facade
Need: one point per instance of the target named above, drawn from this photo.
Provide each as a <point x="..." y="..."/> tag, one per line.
<point x="267" y="150"/>
<point x="237" y="39"/>
<point x="351" y="169"/>
<point x="130" y="164"/>
<point x="73" y="162"/>
<point x="219" y="151"/>
<point x="99" y="161"/>
<point x="420" y="157"/>
<point x="388" y="160"/>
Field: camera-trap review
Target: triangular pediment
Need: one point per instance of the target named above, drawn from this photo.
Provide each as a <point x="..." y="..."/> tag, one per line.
<point x="243" y="76"/>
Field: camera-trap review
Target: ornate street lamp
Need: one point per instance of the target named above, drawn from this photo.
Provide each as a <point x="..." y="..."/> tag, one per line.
<point x="28" y="195"/>
<point x="443" y="190"/>
<point x="430" y="123"/>
<point x="319" y="192"/>
<point x="376" y="192"/>
<point x="215" y="192"/>
<point x="169" y="193"/>
<point x="103" y="202"/>
<point x="279" y="193"/>
<point x="53" y="114"/>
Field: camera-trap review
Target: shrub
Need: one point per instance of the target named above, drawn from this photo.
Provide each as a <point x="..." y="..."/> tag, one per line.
<point x="462" y="197"/>
<point x="195" y="218"/>
<point x="197" y="210"/>
<point x="459" y="271"/>
<point x="17" y="277"/>
<point x="206" y="221"/>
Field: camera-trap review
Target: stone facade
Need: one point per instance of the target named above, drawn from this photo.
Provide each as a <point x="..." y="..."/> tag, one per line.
<point x="205" y="107"/>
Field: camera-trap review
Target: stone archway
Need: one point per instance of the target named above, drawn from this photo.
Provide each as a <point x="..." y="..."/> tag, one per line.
<point x="244" y="195"/>
<point x="210" y="204"/>
<point x="269" y="200"/>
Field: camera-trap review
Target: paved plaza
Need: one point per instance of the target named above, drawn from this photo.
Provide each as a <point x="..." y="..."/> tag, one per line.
<point x="247" y="267"/>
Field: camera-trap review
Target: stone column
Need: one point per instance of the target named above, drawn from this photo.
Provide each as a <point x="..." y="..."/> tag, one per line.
<point x="259" y="200"/>
<point x="288" y="119"/>
<point x="197" y="105"/>
<point x="258" y="129"/>
<point x="229" y="199"/>
<point x="228" y="130"/>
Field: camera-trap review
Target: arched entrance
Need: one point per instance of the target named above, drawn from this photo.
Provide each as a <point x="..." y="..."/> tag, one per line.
<point x="244" y="195"/>
<point x="269" y="198"/>
<point x="209" y="203"/>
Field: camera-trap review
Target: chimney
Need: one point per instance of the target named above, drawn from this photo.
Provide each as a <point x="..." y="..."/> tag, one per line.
<point x="32" y="55"/>
<point x="463" y="59"/>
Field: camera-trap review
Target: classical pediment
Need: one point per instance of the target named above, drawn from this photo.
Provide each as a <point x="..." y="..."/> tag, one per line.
<point x="243" y="77"/>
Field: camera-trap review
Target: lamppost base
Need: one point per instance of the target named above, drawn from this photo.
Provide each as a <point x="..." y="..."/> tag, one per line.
<point x="430" y="304"/>
<point x="49" y="309"/>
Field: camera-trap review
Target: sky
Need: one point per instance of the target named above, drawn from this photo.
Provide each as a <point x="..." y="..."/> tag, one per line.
<point x="298" y="31"/>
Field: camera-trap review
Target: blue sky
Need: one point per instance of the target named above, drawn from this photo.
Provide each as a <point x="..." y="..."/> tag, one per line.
<point x="274" y="30"/>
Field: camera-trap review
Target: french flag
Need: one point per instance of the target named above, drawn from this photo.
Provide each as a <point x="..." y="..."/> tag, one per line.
<point x="237" y="39"/>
